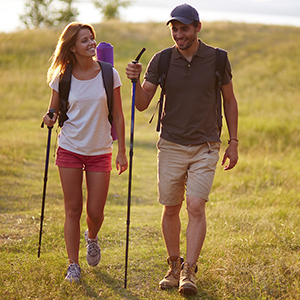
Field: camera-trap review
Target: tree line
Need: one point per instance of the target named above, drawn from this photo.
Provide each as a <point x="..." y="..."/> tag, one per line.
<point x="46" y="13"/>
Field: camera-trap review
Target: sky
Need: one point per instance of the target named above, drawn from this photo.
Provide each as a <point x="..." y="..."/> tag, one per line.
<point x="281" y="12"/>
<point x="277" y="7"/>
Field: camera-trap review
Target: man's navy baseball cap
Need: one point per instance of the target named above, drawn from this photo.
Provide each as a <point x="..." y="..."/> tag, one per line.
<point x="184" y="13"/>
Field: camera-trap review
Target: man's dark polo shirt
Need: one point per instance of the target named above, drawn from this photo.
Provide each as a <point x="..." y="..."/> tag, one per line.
<point x="190" y="114"/>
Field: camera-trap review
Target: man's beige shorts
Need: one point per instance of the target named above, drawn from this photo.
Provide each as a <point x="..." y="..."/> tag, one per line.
<point x="183" y="167"/>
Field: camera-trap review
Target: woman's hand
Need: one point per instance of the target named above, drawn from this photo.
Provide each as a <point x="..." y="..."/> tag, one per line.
<point x="121" y="162"/>
<point x="49" y="121"/>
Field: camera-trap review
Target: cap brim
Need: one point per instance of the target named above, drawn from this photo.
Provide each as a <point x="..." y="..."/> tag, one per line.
<point x="180" y="19"/>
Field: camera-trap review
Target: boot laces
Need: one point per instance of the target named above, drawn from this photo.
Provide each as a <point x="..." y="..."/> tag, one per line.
<point x="174" y="269"/>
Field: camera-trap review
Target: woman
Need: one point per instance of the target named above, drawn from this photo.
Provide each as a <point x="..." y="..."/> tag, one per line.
<point x="85" y="142"/>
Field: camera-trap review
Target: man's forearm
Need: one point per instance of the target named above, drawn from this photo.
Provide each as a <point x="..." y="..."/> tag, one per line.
<point x="231" y="116"/>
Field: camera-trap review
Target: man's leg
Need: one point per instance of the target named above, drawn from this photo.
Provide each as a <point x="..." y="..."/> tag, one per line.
<point x="171" y="227"/>
<point x="195" y="235"/>
<point x="196" y="229"/>
<point x="172" y="171"/>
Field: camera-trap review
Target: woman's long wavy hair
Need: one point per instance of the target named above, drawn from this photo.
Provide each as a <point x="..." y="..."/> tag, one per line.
<point x="63" y="54"/>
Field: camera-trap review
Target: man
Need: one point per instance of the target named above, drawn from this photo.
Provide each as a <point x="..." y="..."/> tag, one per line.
<point x="189" y="143"/>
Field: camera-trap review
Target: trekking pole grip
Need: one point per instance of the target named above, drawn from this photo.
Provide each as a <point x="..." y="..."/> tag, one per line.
<point x="50" y="114"/>
<point x="137" y="60"/>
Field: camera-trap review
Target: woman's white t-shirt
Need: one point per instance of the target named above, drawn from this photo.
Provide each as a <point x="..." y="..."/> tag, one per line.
<point x="87" y="131"/>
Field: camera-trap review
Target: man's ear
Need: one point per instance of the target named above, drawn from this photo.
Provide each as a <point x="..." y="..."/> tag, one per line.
<point x="199" y="27"/>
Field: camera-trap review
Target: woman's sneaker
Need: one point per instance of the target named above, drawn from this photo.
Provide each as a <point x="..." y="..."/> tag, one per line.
<point x="93" y="254"/>
<point x="73" y="273"/>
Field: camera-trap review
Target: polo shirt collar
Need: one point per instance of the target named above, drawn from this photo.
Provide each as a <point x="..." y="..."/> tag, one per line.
<point x="200" y="52"/>
<point x="201" y="49"/>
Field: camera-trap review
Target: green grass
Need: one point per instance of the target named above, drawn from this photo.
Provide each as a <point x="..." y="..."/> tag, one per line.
<point x="252" y="246"/>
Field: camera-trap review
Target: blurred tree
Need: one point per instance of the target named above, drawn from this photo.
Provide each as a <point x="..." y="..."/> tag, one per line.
<point x="41" y="13"/>
<point x="67" y="13"/>
<point x="36" y="13"/>
<point x="110" y="8"/>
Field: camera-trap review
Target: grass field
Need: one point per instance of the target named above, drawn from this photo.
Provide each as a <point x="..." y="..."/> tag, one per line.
<point x="252" y="248"/>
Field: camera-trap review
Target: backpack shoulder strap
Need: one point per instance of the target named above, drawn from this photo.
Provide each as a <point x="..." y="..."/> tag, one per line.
<point x="64" y="89"/>
<point x="108" y="81"/>
<point x="163" y="67"/>
<point x="221" y="59"/>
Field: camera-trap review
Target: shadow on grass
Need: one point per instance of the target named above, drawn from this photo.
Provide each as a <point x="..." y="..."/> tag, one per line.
<point x="202" y="294"/>
<point x="115" y="286"/>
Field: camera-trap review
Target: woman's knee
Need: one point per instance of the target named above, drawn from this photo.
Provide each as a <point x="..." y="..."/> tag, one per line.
<point x="73" y="211"/>
<point x="96" y="216"/>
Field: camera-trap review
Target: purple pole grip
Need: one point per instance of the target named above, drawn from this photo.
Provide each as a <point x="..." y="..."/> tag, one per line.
<point x="105" y="52"/>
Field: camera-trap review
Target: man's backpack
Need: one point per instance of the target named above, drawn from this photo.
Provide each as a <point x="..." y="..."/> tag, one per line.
<point x="65" y="84"/>
<point x="163" y="66"/>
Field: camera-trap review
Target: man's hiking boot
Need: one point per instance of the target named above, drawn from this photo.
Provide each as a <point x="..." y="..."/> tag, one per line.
<point x="187" y="284"/>
<point x="73" y="273"/>
<point x="172" y="277"/>
<point x="93" y="254"/>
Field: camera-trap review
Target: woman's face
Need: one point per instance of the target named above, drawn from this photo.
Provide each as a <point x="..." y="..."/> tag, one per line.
<point x="85" y="44"/>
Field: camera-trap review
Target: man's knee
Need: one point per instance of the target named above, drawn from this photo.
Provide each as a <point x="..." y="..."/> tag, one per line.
<point x="196" y="206"/>
<point x="171" y="211"/>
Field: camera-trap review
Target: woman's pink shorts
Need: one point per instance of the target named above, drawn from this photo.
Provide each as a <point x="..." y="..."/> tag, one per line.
<point x="94" y="163"/>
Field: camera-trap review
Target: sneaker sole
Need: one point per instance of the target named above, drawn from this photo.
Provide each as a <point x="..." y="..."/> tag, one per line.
<point x="73" y="280"/>
<point x="93" y="264"/>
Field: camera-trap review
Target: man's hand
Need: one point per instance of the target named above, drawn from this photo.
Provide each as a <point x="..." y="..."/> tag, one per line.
<point x="133" y="71"/>
<point x="232" y="154"/>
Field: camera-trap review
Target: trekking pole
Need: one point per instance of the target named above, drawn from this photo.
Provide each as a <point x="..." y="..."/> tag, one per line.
<point x="134" y="81"/>
<point x="50" y="114"/>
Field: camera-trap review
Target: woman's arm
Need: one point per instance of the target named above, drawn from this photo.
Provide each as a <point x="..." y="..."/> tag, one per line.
<point x="118" y="117"/>
<point x="54" y="103"/>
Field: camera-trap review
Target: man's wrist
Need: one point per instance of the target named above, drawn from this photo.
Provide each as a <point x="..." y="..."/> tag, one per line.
<point x="233" y="140"/>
